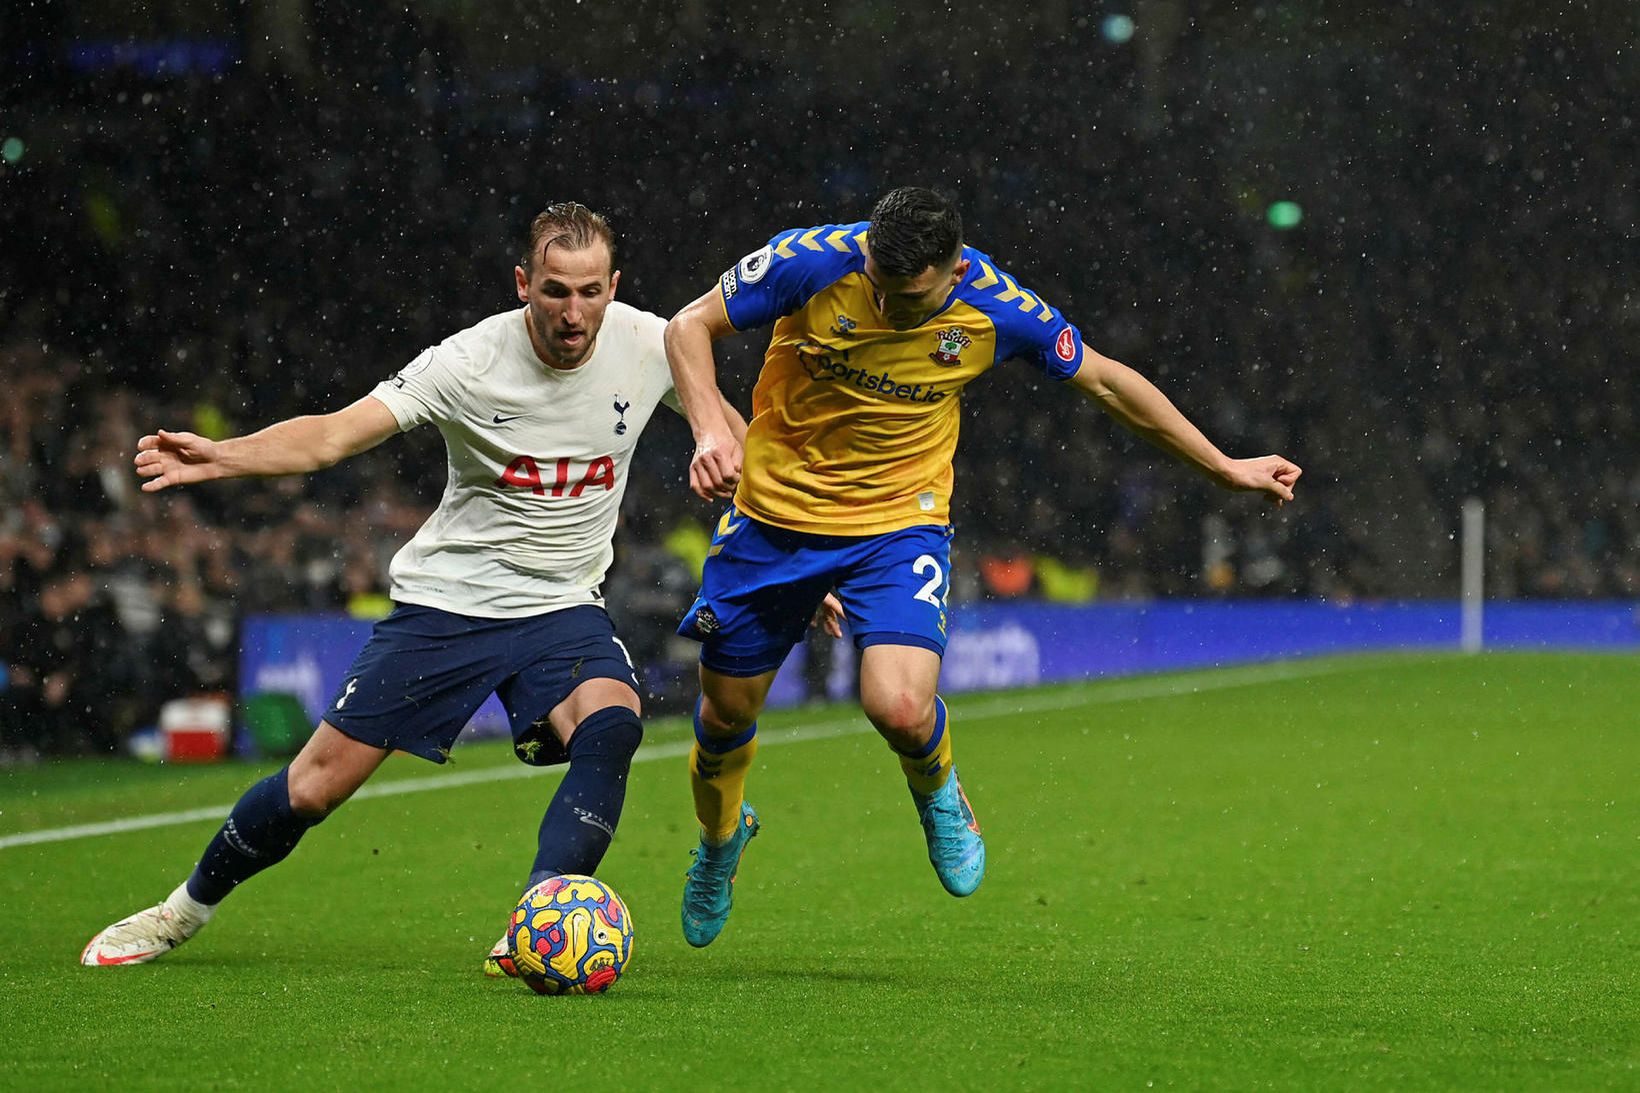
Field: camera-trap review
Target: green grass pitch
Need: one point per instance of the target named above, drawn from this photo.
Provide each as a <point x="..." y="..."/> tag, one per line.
<point x="1389" y="872"/>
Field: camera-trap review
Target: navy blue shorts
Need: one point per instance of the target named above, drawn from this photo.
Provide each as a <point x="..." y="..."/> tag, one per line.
<point x="424" y="672"/>
<point x="762" y="584"/>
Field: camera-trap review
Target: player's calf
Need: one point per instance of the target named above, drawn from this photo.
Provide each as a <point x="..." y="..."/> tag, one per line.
<point x="580" y="821"/>
<point x="261" y="831"/>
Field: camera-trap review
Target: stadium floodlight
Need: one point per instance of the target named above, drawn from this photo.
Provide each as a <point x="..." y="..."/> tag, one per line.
<point x="1283" y="215"/>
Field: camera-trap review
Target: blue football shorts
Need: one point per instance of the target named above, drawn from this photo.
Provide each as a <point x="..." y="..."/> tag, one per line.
<point x="762" y="584"/>
<point x="424" y="672"/>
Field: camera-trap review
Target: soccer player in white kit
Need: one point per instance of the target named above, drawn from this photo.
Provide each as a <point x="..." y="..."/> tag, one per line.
<point x="540" y="408"/>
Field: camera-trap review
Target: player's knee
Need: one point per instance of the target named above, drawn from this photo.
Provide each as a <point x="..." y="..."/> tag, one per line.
<point x="313" y="796"/>
<point x="903" y="717"/>
<point x="613" y="732"/>
<point x="727" y="715"/>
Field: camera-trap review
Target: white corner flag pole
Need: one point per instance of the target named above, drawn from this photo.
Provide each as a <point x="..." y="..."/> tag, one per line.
<point x="1473" y="577"/>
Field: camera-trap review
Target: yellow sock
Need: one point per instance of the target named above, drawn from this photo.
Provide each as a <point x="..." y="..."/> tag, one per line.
<point x="718" y="780"/>
<point x="927" y="770"/>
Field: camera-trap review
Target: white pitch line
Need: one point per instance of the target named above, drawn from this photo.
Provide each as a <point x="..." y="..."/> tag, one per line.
<point x="976" y="709"/>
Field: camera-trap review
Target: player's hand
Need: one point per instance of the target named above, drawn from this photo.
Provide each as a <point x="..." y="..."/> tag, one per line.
<point x="175" y="459"/>
<point x="1273" y="475"/>
<point x="714" y="472"/>
<point x="829" y="615"/>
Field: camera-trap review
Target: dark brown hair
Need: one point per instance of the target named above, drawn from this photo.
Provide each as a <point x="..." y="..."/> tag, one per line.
<point x="913" y="228"/>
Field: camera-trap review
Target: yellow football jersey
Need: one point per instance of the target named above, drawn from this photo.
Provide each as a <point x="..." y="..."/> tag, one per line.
<point x="854" y="424"/>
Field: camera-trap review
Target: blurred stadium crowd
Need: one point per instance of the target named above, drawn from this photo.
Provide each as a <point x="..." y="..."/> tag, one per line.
<point x="214" y="246"/>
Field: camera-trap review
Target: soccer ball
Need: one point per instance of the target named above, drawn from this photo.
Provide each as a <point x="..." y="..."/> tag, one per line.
<point x="570" y="935"/>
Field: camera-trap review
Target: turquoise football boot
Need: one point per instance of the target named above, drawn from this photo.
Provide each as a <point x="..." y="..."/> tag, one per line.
<point x="708" y="887"/>
<point x="954" y="845"/>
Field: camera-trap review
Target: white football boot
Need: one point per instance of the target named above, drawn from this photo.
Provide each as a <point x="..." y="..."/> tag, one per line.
<point x="148" y="934"/>
<point x="499" y="962"/>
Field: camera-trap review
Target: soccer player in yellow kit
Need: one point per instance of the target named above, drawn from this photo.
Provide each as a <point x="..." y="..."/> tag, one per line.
<point x="844" y="486"/>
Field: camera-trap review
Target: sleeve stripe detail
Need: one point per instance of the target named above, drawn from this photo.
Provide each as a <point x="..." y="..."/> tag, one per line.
<point x="1027" y="302"/>
<point x="1011" y="291"/>
<point x="838" y="240"/>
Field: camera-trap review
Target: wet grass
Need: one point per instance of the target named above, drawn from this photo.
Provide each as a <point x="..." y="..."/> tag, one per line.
<point x="1390" y="873"/>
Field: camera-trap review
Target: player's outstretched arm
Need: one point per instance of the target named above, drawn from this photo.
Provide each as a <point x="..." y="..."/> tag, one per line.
<point x="296" y="446"/>
<point x="1140" y="406"/>
<point x="714" y="471"/>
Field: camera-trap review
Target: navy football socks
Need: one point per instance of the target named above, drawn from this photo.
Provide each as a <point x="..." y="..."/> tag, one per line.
<point x="580" y="821"/>
<point x="261" y="831"/>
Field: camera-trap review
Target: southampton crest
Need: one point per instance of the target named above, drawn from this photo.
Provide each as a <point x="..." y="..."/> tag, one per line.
<point x="952" y="342"/>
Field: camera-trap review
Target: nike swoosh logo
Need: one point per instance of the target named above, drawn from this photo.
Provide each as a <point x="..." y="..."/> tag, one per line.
<point x="591" y="821"/>
<point x="499" y="420"/>
<point x="106" y="961"/>
<point x="110" y="961"/>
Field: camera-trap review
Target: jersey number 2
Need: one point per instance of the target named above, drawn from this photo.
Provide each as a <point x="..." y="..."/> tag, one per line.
<point x="929" y="593"/>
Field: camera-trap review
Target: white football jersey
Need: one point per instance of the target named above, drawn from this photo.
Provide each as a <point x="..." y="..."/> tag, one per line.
<point x="539" y="459"/>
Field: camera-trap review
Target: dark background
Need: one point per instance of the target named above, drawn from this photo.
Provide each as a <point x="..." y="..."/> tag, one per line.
<point x="214" y="216"/>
